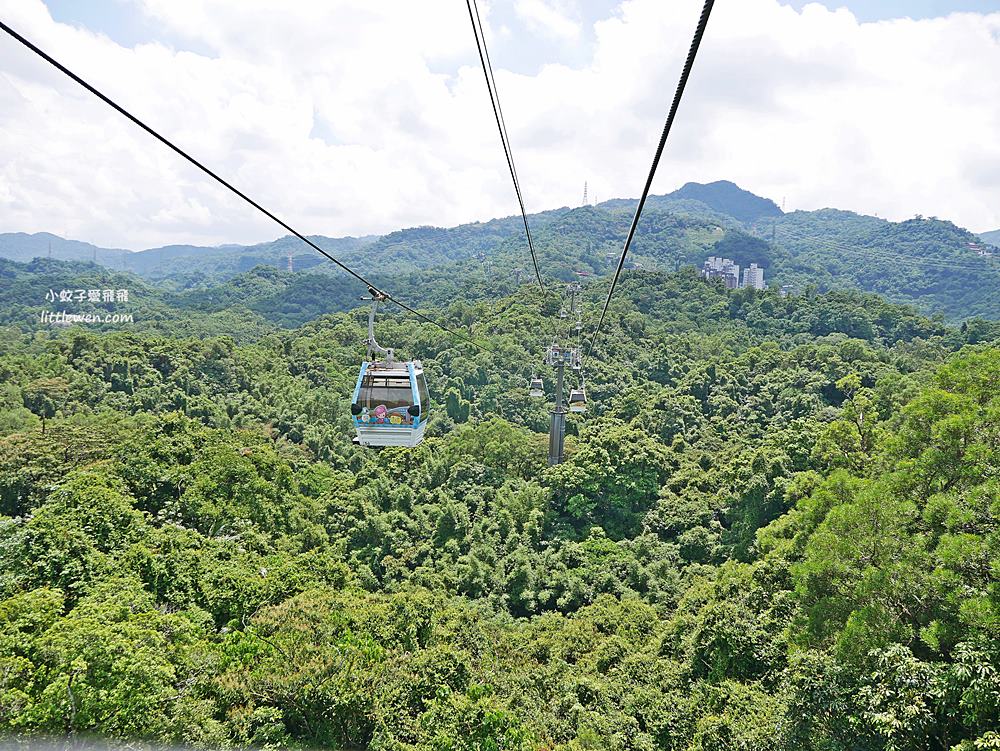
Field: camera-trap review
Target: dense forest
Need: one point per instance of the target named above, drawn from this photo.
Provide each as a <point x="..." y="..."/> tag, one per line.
<point x="776" y="527"/>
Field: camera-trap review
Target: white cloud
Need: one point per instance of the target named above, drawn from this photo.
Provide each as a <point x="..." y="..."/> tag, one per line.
<point x="351" y="117"/>
<point x="549" y="17"/>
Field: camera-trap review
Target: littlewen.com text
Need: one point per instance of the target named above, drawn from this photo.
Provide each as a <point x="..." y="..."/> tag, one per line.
<point x="61" y="317"/>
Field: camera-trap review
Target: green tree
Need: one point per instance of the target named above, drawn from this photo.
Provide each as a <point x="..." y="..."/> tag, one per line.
<point x="45" y="397"/>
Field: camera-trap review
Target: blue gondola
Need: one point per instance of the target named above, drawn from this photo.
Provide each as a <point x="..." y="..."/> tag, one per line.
<point x="390" y="402"/>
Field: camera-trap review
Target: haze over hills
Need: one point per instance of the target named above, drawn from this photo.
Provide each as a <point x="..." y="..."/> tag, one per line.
<point x="930" y="263"/>
<point x="163" y="262"/>
<point x="722" y="201"/>
<point x="991" y="237"/>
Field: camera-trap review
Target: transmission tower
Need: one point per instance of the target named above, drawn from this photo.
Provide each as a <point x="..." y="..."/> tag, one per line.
<point x="585" y="201"/>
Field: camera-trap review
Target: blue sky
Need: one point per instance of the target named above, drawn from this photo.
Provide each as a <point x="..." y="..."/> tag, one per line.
<point x="121" y="20"/>
<point x="877" y="10"/>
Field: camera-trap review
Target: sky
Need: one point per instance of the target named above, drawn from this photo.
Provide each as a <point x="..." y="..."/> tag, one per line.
<point x="347" y="117"/>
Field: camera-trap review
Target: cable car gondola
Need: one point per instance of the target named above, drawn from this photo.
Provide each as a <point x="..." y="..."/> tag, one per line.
<point x="536" y="390"/>
<point x="578" y="397"/>
<point x="390" y="402"/>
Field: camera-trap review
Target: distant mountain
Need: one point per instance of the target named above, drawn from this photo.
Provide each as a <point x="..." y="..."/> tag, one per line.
<point x="926" y="262"/>
<point x="192" y="265"/>
<point x="19" y="246"/>
<point x="187" y="265"/>
<point x="723" y="202"/>
<point x="728" y="198"/>
<point x="993" y="238"/>
<point x="929" y="263"/>
<point x="720" y="204"/>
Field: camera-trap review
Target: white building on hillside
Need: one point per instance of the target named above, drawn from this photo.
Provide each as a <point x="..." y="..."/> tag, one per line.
<point x="722" y="268"/>
<point x="753" y="276"/>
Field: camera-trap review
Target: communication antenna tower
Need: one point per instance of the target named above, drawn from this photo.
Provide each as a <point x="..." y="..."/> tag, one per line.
<point x="585" y="202"/>
<point x="290" y="262"/>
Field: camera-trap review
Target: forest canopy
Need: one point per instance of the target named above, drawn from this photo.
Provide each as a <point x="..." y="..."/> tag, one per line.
<point x="775" y="529"/>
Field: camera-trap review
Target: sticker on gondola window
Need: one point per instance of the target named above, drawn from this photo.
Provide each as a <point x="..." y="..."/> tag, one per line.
<point x="382" y="415"/>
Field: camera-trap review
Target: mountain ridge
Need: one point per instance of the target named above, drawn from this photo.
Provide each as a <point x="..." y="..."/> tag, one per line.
<point x="22" y="246"/>
<point x="930" y="263"/>
<point x="992" y="237"/>
<point x="728" y="198"/>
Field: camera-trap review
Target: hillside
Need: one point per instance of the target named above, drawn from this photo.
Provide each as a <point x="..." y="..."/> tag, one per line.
<point x="925" y="262"/>
<point x="991" y="237"/>
<point x="775" y="529"/>
<point x="31" y="290"/>
<point x="246" y="306"/>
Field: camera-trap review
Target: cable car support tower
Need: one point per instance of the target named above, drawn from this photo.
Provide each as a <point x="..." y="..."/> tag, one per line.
<point x="560" y="356"/>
